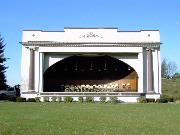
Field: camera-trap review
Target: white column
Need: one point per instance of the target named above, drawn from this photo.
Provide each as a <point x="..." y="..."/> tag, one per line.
<point x="41" y="71"/>
<point x="140" y="71"/>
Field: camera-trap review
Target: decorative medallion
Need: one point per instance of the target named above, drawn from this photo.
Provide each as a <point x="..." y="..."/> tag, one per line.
<point x="90" y="35"/>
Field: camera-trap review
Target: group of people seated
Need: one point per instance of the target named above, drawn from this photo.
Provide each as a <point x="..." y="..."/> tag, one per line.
<point x="96" y="88"/>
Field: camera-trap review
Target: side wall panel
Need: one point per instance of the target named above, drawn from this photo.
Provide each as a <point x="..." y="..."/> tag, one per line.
<point x="25" y="69"/>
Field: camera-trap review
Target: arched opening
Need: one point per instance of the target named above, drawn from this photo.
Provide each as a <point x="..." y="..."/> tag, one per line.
<point x="90" y="74"/>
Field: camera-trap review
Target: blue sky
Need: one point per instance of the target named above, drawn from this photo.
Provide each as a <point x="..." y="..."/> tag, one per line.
<point x="17" y="15"/>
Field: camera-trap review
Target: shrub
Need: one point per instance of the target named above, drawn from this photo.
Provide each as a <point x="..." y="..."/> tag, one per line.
<point x="12" y="99"/>
<point x="3" y="96"/>
<point x="20" y="99"/>
<point x="113" y="100"/>
<point x="177" y="99"/>
<point x="31" y="100"/>
<point x="89" y="99"/>
<point x="142" y="100"/>
<point x="68" y="99"/>
<point x="171" y="99"/>
<point x="150" y="100"/>
<point x="161" y="100"/>
<point x="102" y="99"/>
<point x="80" y="99"/>
<point x="167" y="98"/>
<point x="37" y="99"/>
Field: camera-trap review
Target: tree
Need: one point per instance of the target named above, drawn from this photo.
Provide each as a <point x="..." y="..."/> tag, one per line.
<point x="3" y="68"/>
<point x="164" y="68"/>
<point x="168" y="69"/>
<point x="176" y="76"/>
<point x="171" y="69"/>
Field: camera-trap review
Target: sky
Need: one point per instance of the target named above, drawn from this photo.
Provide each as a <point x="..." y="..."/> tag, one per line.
<point x="19" y="15"/>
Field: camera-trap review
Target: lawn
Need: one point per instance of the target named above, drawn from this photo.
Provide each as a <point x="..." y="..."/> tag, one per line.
<point x="89" y="119"/>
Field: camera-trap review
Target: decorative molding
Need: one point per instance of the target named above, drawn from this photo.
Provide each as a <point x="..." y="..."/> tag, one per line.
<point x="90" y="35"/>
<point x="90" y="44"/>
<point x="29" y="92"/>
<point x="150" y="48"/>
<point x="34" y="48"/>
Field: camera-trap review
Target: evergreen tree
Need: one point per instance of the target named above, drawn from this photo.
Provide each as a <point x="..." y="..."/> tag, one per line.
<point x="3" y="68"/>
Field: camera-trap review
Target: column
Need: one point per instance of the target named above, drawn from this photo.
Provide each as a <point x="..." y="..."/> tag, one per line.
<point x="31" y="70"/>
<point x="41" y="70"/>
<point x="150" y="71"/>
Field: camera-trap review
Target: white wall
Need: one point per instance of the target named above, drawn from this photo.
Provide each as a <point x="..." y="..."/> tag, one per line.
<point x="50" y="59"/>
<point x="159" y="69"/>
<point x="25" y="69"/>
<point x="92" y="35"/>
<point x="36" y="70"/>
<point x="91" y="49"/>
<point x="155" y="70"/>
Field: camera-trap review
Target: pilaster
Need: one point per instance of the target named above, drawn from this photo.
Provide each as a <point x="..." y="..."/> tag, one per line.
<point x="41" y="71"/>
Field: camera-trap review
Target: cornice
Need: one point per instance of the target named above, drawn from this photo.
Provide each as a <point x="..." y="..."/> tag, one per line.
<point x="90" y="44"/>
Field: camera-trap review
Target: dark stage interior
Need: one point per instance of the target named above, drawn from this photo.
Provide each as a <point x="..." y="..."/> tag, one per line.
<point x="83" y="70"/>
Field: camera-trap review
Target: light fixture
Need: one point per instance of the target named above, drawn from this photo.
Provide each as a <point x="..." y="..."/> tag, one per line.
<point x="76" y="67"/>
<point x="91" y="68"/>
<point x="105" y="68"/>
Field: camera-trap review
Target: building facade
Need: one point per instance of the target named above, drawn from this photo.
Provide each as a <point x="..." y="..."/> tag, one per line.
<point x="91" y="62"/>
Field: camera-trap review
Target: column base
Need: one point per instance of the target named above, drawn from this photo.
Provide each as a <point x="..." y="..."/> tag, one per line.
<point x="29" y="94"/>
<point x="150" y="92"/>
<point x="153" y="95"/>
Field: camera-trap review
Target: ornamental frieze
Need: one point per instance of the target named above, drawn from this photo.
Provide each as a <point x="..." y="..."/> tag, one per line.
<point x="90" y="35"/>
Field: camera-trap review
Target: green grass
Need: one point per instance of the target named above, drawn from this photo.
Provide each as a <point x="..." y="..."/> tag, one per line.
<point x="89" y="119"/>
<point x="171" y="87"/>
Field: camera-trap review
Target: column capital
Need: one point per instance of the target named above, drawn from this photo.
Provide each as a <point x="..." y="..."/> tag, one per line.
<point x="150" y="49"/>
<point x="34" y="48"/>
